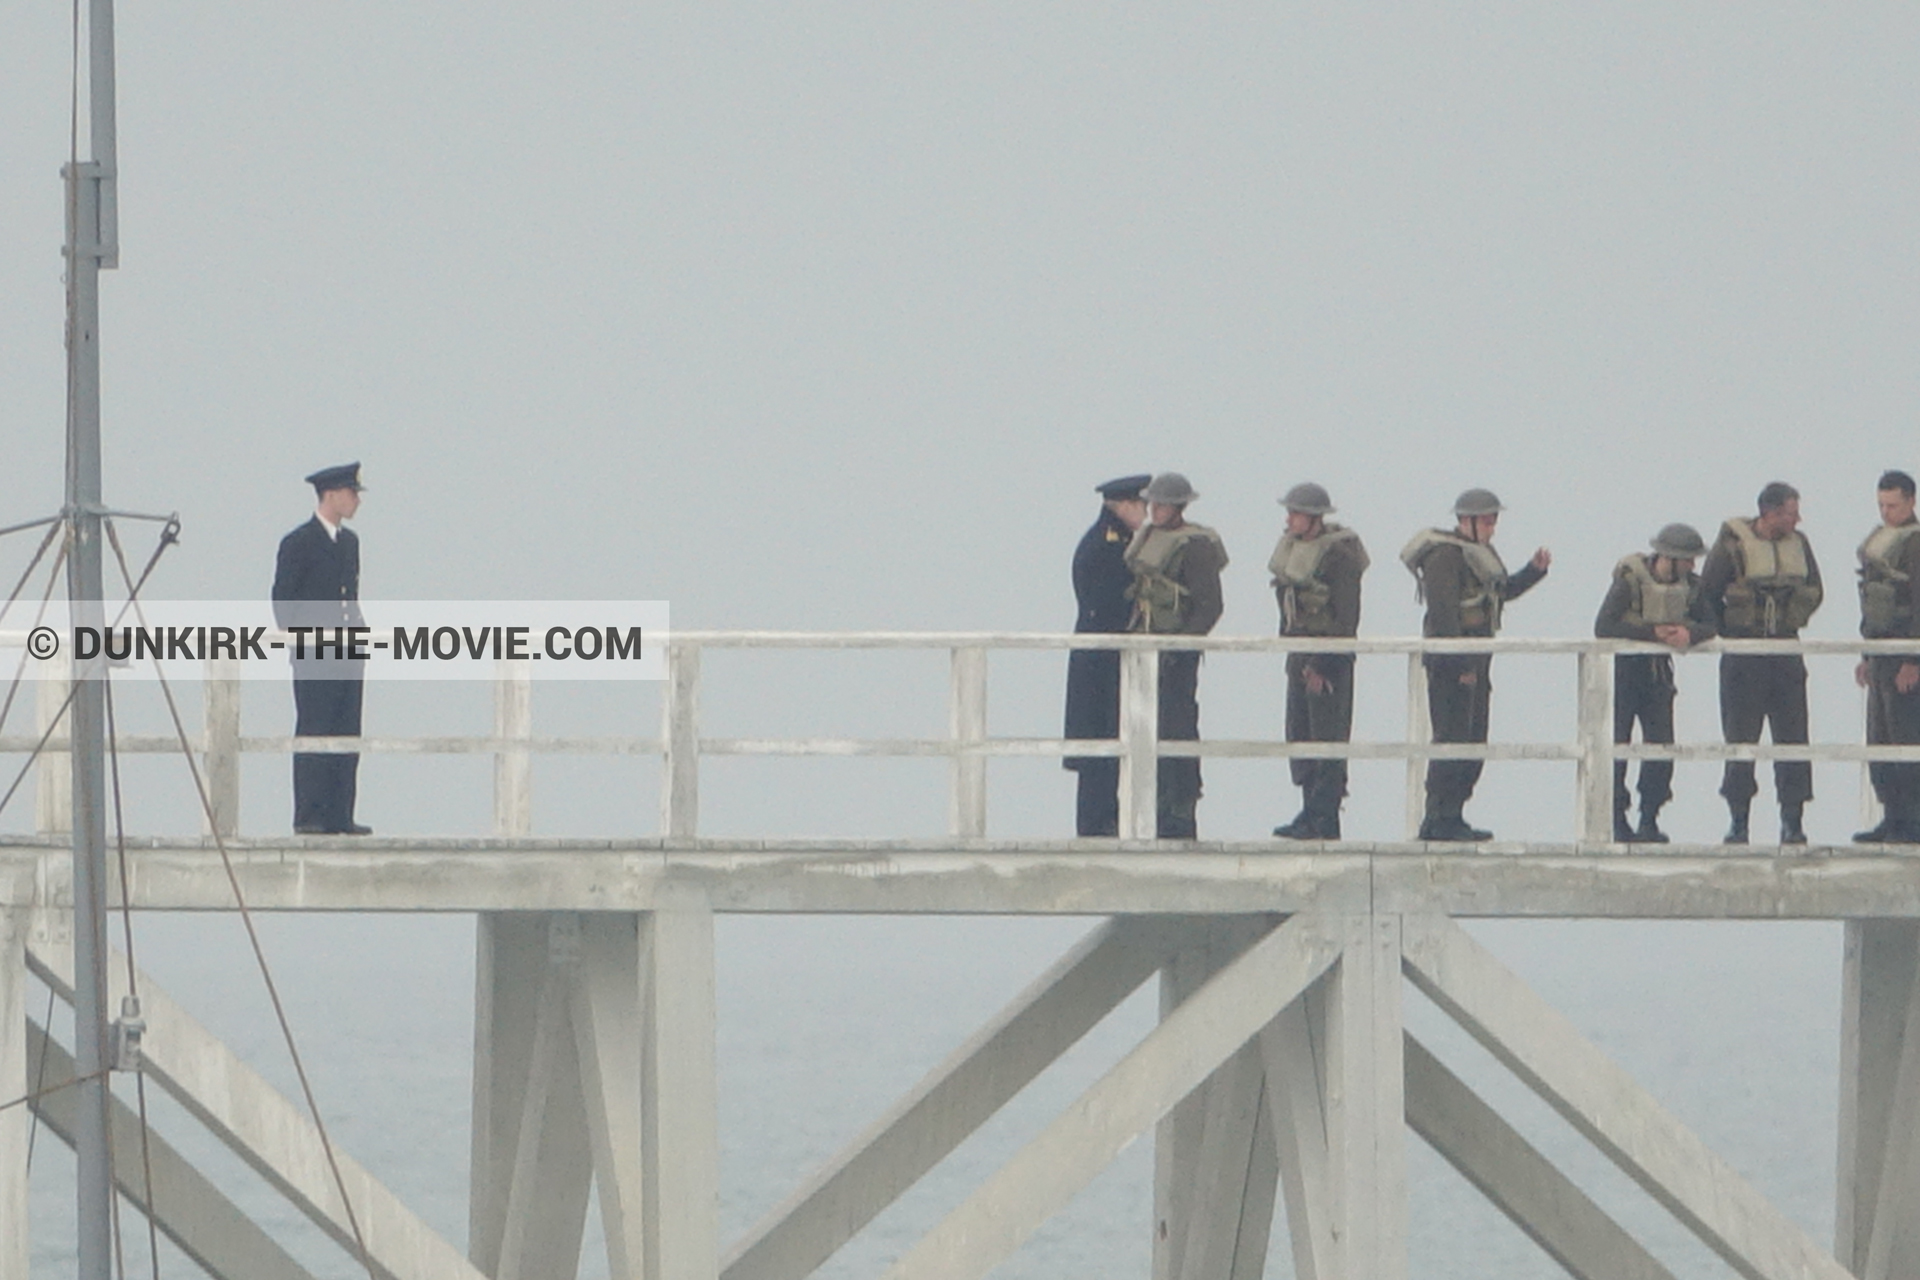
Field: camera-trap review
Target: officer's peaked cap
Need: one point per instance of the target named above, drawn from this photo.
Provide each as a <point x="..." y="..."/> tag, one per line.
<point x="1171" y="488"/>
<point x="1309" y="499"/>
<point x="1477" y="502"/>
<point x="344" y="476"/>
<point x="1122" y="489"/>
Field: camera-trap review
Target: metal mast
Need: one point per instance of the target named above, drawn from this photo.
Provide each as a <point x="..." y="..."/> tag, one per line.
<point x="92" y="244"/>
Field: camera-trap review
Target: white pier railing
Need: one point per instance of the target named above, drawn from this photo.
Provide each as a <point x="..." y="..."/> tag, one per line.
<point x="681" y="744"/>
<point x="1281" y="1070"/>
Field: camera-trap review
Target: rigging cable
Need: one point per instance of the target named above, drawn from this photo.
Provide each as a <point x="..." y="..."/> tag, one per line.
<point x="133" y="983"/>
<point x="167" y="537"/>
<point x="6" y="708"/>
<point x="53" y="576"/>
<point x="47" y="1092"/>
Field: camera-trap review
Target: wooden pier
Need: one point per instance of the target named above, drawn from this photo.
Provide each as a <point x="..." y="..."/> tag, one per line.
<point x="1280" y="1071"/>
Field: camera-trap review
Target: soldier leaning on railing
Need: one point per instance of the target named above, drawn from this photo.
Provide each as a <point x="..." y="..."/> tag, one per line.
<point x="1657" y="599"/>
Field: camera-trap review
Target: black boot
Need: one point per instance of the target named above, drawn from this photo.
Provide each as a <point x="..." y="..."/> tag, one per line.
<point x="1649" y="832"/>
<point x="1737" y="831"/>
<point x="1303" y="827"/>
<point x="1887" y="831"/>
<point x="1622" y="829"/>
<point x="1452" y="828"/>
<point x="1790" y="829"/>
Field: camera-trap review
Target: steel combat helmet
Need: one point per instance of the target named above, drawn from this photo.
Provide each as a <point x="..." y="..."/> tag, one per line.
<point x="1308" y="499"/>
<point x="1171" y="488"/>
<point x="1477" y="502"/>
<point x="1679" y="542"/>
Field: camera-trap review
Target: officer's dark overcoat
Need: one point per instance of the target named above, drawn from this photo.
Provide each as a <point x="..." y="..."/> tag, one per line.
<point x="1100" y="582"/>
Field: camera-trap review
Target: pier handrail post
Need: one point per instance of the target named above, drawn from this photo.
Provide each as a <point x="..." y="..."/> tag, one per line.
<point x="1139" y="743"/>
<point x="1419" y="732"/>
<point x="1871" y="810"/>
<point x="53" y="803"/>
<point x="513" y="767"/>
<point x="680" y="741"/>
<point x="220" y="747"/>
<point x="967" y="724"/>
<point x="1596" y="746"/>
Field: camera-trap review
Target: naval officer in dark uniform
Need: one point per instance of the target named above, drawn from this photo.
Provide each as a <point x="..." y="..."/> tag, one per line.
<point x="1100" y="582"/>
<point x="316" y="583"/>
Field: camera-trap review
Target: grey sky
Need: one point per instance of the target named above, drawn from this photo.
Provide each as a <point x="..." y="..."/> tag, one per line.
<point x="831" y="315"/>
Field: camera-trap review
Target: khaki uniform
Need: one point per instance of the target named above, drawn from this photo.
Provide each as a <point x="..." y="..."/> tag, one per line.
<point x="1466" y="588"/>
<point x="1643" y="687"/>
<point x="1889" y="596"/>
<point x="1176" y="591"/>
<point x="1316" y="583"/>
<point x="1762" y="589"/>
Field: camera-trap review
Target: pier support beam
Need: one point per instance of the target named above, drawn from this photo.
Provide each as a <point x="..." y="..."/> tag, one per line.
<point x="679" y="1108"/>
<point x="13" y="1084"/>
<point x="1210" y="946"/>
<point x="1878" y="981"/>
<point x="954" y="1099"/>
<point x="557" y="1093"/>
<point x="1293" y="1051"/>
<point x="1231" y="1216"/>
<point x="529" y="1120"/>
<point x="1523" y="1184"/>
<point x="189" y="1210"/>
<point x="263" y="1128"/>
<point x="1366" y="1092"/>
<point x="1668" y="1161"/>
<point x="1194" y="1042"/>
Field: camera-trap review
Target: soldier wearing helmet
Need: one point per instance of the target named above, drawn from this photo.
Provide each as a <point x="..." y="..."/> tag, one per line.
<point x="1100" y="583"/>
<point x="1466" y="586"/>
<point x="1316" y="572"/>
<point x="1657" y="599"/>
<point x="1890" y="608"/>
<point x="1176" y="591"/>
<point x="1763" y="584"/>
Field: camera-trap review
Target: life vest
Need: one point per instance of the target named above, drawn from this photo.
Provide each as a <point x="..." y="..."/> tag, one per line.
<point x="1654" y="603"/>
<point x="1486" y="591"/>
<point x="1885" y="608"/>
<point x="1306" y="598"/>
<point x="1774" y="594"/>
<point x="1156" y="556"/>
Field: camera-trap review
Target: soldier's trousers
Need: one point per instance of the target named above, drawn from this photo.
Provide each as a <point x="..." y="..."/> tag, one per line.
<point x="1179" y="780"/>
<point x="1770" y="689"/>
<point x="1097" y="807"/>
<point x="1643" y="691"/>
<point x="1326" y="716"/>
<point x="325" y="786"/>
<point x="1893" y="718"/>
<point x="1459" y="713"/>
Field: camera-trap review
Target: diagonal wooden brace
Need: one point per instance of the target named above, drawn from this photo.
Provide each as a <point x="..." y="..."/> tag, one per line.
<point x="189" y="1210"/>
<point x="1609" y="1107"/>
<point x="1523" y="1184"/>
<point x="1174" y="1058"/>
<point x="266" y="1130"/>
<point x="954" y="1099"/>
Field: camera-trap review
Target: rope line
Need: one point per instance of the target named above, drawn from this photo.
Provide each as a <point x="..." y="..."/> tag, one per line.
<point x="47" y="1092"/>
<point x="240" y="901"/>
<point x="39" y="1082"/>
<point x="20" y="668"/>
<point x="133" y="980"/>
